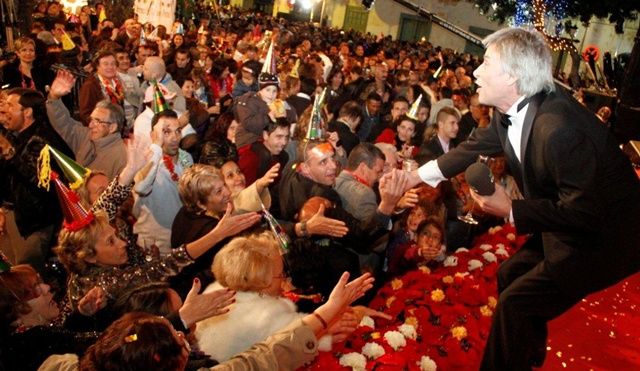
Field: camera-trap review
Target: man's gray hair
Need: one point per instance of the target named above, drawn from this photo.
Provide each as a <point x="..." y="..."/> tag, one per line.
<point x="526" y="56"/>
<point x="116" y="113"/>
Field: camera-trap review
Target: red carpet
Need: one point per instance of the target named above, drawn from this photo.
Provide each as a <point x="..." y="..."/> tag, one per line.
<point x="450" y="308"/>
<point x="600" y="333"/>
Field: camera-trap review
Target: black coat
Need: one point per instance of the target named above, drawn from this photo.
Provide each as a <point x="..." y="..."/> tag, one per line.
<point x="42" y="77"/>
<point x="580" y="192"/>
<point x="188" y="227"/>
<point x="27" y="350"/>
<point x="35" y="208"/>
<point x="348" y="139"/>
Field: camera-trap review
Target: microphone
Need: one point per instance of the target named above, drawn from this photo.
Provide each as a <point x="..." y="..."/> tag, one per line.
<point x="480" y="179"/>
<point x="74" y="71"/>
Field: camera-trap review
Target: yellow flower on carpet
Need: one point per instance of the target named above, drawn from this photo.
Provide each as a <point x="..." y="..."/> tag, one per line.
<point x="375" y="335"/>
<point x="447" y="279"/>
<point x="459" y="332"/>
<point x="492" y="302"/>
<point x="396" y="284"/>
<point x="424" y="269"/>
<point x="390" y="301"/>
<point x="413" y="321"/>
<point x="437" y="295"/>
<point x="461" y="274"/>
<point x="486" y="311"/>
<point x="511" y="237"/>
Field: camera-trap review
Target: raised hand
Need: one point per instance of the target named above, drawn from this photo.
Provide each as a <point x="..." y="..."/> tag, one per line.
<point x="344" y="293"/>
<point x="231" y="225"/>
<point x="136" y="160"/>
<point x="62" y="84"/>
<point x="197" y="306"/>
<point x="94" y="300"/>
<point x="319" y="224"/>
<point x="268" y="178"/>
<point x="392" y="186"/>
<point x="157" y="135"/>
<point x="409" y="199"/>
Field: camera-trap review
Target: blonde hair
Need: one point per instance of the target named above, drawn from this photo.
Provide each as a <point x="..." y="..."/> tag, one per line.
<point x="246" y="263"/>
<point x="74" y="248"/>
<point x="196" y="184"/>
<point x="22" y="41"/>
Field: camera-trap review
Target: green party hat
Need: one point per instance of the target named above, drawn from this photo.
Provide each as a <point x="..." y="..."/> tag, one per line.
<point x="159" y="103"/>
<point x="74" y="172"/>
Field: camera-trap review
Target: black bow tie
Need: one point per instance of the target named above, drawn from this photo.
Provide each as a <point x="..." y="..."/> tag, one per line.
<point x="505" y="119"/>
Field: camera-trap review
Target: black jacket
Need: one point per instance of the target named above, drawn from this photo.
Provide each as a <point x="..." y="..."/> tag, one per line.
<point x="35" y="208"/>
<point x="581" y="195"/>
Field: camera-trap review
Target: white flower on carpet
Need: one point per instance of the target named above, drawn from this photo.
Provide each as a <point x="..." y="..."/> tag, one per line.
<point x="495" y="230"/>
<point x="427" y="364"/>
<point x="450" y="261"/>
<point x="372" y="350"/>
<point x="489" y="257"/>
<point x="486" y="247"/>
<point x="354" y="360"/>
<point x="461" y="274"/>
<point x="408" y="331"/>
<point x="462" y="249"/>
<point x="367" y="321"/>
<point x="474" y="264"/>
<point x="503" y="252"/>
<point x="395" y="339"/>
<point x="500" y="246"/>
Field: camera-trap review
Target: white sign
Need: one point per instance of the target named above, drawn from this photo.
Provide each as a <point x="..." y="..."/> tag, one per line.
<point x="156" y="12"/>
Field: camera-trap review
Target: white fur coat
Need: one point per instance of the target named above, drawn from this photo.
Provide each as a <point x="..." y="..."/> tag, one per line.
<point x="252" y="318"/>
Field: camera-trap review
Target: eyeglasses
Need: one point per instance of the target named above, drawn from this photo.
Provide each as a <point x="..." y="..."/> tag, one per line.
<point x="93" y="119"/>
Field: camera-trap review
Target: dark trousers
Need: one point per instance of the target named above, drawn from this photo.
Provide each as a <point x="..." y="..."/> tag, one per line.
<point x="529" y="298"/>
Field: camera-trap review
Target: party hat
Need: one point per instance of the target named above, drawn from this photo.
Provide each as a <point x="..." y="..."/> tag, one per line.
<point x="159" y="103"/>
<point x="5" y="264"/>
<point x="76" y="217"/>
<point x="74" y="172"/>
<point x="67" y="43"/>
<point x="294" y="71"/>
<point x="103" y="15"/>
<point x="153" y="35"/>
<point x="268" y="74"/>
<point x="413" y="112"/>
<point x="314" y="132"/>
<point x="180" y="29"/>
<point x="143" y="39"/>
<point x="277" y="230"/>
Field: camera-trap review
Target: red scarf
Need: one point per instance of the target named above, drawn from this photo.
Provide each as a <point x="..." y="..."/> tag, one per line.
<point x="168" y="163"/>
<point x="116" y="96"/>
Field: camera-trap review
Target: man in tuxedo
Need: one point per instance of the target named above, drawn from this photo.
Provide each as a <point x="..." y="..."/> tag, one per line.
<point x="581" y="197"/>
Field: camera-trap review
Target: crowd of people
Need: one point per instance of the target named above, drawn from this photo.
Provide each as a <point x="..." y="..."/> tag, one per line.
<point x="262" y="161"/>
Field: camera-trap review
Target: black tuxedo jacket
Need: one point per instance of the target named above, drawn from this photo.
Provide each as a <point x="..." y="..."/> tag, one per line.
<point x="580" y="191"/>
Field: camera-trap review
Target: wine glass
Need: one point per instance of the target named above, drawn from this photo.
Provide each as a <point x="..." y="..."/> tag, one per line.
<point x="468" y="217"/>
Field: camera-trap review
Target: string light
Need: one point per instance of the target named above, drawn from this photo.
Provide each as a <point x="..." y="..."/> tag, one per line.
<point x="539" y="12"/>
